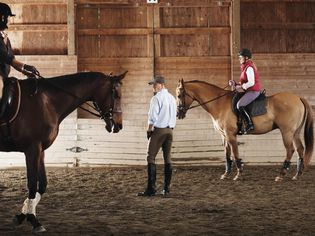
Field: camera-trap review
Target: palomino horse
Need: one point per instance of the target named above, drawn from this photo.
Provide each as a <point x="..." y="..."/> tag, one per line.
<point x="44" y="104"/>
<point x="285" y="111"/>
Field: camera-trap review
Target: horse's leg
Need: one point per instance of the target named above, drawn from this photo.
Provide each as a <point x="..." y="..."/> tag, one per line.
<point x="300" y="150"/>
<point x="42" y="178"/>
<point x="238" y="162"/>
<point x="288" y="143"/>
<point x="228" y="161"/>
<point x="32" y="156"/>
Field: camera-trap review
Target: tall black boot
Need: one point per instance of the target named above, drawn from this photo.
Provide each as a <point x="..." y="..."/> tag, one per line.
<point x="150" y="190"/>
<point x="248" y="120"/>
<point x="168" y="170"/>
<point x="4" y="99"/>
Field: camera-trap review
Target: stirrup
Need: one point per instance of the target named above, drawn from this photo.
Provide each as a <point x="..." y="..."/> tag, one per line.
<point x="248" y="129"/>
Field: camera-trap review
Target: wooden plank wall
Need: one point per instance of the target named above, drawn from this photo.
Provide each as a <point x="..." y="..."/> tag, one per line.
<point x="178" y="39"/>
<point x="39" y="36"/>
<point x="191" y="41"/>
<point x="281" y="38"/>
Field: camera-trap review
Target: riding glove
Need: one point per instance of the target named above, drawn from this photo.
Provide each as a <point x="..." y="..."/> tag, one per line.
<point x="31" y="69"/>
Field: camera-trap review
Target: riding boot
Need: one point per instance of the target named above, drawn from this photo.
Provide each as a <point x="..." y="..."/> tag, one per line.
<point x="168" y="170"/>
<point x="248" y="120"/>
<point x="4" y="99"/>
<point x="150" y="190"/>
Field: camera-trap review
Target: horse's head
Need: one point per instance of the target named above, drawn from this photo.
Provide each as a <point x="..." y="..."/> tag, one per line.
<point x="184" y="100"/>
<point x="110" y="105"/>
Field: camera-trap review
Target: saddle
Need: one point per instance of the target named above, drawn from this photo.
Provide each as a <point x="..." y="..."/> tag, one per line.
<point x="10" y="101"/>
<point x="257" y="107"/>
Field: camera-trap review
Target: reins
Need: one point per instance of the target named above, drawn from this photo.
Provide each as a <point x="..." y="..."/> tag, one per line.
<point x="203" y="103"/>
<point x="95" y="107"/>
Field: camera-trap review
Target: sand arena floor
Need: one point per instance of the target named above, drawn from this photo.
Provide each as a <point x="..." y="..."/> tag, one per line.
<point x="103" y="201"/>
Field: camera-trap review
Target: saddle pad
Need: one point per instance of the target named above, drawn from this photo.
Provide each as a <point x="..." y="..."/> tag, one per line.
<point x="255" y="108"/>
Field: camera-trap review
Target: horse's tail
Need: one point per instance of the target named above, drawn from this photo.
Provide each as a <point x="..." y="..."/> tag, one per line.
<point x="308" y="132"/>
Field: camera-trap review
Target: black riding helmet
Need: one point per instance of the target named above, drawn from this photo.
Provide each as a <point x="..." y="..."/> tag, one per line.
<point x="5" y="13"/>
<point x="245" y="53"/>
<point x="5" y="10"/>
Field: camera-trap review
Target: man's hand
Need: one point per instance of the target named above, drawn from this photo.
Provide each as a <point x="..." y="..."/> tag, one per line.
<point x="28" y="69"/>
<point x="149" y="134"/>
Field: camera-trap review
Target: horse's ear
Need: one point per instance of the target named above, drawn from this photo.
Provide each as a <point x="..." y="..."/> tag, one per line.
<point x="121" y="76"/>
<point x="181" y="82"/>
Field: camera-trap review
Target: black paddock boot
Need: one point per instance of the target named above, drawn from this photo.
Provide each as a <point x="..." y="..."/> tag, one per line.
<point x="150" y="190"/>
<point x="248" y="120"/>
<point x="168" y="170"/>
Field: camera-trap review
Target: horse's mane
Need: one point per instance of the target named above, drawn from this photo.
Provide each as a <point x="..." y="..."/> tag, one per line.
<point x="203" y="82"/>
<point x="68" y="79"/>
<point x="79" y="75"/>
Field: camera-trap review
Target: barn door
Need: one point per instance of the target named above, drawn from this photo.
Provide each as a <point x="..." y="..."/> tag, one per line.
<point x="191" y="41"/>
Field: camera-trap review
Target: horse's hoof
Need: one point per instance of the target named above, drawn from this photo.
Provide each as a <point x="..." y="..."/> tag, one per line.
<point x="224" y="176"/>
<point x="39" y="229"/>
<point x="295" y="177"/>
<point x="237" y="177"/>
<point x="278" y="178"/>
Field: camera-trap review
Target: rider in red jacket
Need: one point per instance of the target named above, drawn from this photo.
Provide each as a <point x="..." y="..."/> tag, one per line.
<point x="249" y="82"/>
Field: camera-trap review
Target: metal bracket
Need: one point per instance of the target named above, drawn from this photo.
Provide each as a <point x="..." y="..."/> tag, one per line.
<point x="76" y="149"/>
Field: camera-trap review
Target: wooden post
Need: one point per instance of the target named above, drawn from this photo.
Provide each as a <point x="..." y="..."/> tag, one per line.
<point x="71" y="28"/>
<point x="236" y="33"/>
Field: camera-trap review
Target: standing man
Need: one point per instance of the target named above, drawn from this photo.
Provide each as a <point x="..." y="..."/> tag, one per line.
<point x="161" y="122"/>
<point x="7" y="58"/>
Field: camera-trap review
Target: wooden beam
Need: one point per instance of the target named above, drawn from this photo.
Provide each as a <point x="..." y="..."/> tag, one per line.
<point x="162" y="3"/>
<point x="71" y="28"/>
<point x="38" y="27"/>
<point x="262" y="26"/>
<point x="116" y="31"/>
<point x="10" y="2"/>
<point x="236" y="33"/>
<point x="196" y="31"/>
<point x="146" y="31"/>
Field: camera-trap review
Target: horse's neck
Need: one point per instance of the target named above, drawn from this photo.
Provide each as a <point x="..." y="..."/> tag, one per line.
<point x="66" y="96"/>
<point x="209" y="96"/>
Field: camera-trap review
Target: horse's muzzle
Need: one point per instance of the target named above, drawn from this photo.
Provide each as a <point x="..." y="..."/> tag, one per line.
<point x="180" y="114"/>
<point x="117" y="128"/>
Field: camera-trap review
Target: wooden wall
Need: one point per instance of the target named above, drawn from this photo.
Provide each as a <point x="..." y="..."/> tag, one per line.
<point x="41" y="34"/>
<point x="179" y="39"/>
<point x="191" y="41"/>
<point x="278" y="26"/>
<point x="39" y="27"/>
<point x="281" y="37"/>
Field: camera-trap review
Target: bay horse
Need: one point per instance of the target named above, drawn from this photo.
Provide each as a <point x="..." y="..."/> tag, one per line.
<point x="285" y="111"/>
<point x="44" y="103"/>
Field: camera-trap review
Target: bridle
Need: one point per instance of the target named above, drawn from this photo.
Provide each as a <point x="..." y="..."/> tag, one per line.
<point x="106" y="116"/>
<point x="182" y="107"/>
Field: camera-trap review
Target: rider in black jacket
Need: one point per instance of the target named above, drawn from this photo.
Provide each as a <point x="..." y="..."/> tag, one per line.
<point x="7" y="58"/>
